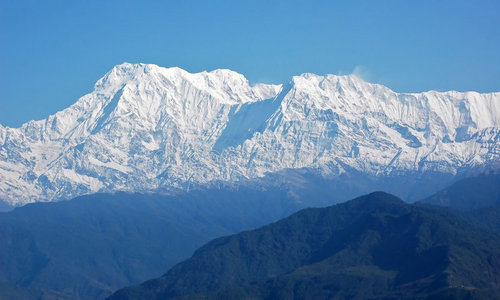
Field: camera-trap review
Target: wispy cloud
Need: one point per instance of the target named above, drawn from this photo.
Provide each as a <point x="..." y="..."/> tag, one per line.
<point x="362" y="72"/>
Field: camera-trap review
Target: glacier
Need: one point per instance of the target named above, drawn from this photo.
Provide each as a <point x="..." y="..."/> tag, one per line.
<point x="146" y="128"/>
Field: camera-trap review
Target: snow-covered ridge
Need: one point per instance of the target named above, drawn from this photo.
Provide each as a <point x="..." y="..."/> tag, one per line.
<point x="147" y="128"/>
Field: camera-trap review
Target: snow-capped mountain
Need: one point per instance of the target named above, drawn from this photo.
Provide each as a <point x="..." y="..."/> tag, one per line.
<point x="147" y="128"/>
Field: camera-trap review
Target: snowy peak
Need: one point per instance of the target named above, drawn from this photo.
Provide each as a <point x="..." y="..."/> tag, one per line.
<point x="351" y="96"/>
<point x="219" y="81"/>
<point x="142" y="90"/>
<point x="147" y="128"/>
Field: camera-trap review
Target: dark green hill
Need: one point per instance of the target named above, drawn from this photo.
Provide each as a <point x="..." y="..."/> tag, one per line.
<point x="375" y="246"/>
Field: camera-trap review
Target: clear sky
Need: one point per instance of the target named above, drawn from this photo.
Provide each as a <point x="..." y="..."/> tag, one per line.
<point x="52" y="52"/>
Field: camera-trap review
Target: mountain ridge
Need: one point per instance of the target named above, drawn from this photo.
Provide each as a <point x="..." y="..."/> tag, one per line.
<point x="147" y="128"/>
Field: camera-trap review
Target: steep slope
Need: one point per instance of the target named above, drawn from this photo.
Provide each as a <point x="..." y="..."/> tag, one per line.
<point x="146" y="128"/>
<point x="375" y="246"/>
<point x="90" y="246"/>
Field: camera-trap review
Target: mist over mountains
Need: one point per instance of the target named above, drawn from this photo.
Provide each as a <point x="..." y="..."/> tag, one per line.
<point x="87" y="247"/>
<point x="150" y="129"/>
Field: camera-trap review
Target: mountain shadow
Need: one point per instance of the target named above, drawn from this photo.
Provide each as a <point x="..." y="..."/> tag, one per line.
<point x="372" y="247"/>
<point x="247" y="119"/>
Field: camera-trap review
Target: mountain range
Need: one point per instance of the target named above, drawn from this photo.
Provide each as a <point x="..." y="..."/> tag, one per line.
<point x="158" y="161"/>
<point x="146" y="128"/>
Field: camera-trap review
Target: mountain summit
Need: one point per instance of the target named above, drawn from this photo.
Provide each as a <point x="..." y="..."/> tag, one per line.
<point x="148" y="128"/>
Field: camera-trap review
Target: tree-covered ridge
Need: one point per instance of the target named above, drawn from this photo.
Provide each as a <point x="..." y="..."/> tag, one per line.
<point x="375" y="246"/>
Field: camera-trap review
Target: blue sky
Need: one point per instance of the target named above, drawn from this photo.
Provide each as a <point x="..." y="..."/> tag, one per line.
<point x="52" y="52"/>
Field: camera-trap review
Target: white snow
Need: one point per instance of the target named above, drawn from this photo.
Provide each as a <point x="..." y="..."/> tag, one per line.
<point x="146" y="127"/>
